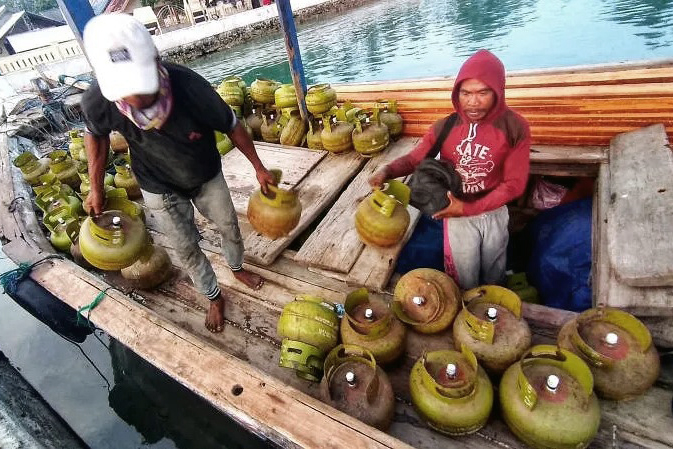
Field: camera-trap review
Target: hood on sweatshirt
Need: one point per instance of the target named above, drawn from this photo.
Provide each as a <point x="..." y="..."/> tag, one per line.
<point x="487" y="68"/>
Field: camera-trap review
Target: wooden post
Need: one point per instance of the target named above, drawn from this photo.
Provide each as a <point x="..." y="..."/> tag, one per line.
<point x="77" y="13"/>
<point x="292" y="47"/>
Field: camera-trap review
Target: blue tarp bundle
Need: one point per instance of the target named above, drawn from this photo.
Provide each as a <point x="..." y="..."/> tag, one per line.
<point x="425" y="248"/>
<point x="560" y="263"/>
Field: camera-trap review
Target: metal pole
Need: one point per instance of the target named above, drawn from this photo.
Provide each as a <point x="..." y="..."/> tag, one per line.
<point x="77" y="13"/>
<point x="292" y="47"/>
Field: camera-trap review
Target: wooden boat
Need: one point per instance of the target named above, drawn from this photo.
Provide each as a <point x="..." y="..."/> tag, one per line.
<point x="573" y="112"/>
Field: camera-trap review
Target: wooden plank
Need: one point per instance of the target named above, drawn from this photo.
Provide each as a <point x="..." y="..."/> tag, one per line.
<point x="295" y="163"/>
<point x="536" y="77"/>
<point x="18" y="220"/>
<point x="375" y="265"/>
<point x="640" y="217"/>
<point x="316" y="191"/>
<point x="334" y="245"/>
<point x="257" y="401"/>
<point x="558" y="154"/>
<point x="251" y="324"/>
<point x="600" y="266"/>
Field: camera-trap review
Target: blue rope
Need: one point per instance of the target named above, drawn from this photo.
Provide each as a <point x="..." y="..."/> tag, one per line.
<point x="10" y="279"/>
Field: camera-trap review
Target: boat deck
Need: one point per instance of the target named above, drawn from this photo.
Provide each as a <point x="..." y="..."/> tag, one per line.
<point x="237" y="370"/>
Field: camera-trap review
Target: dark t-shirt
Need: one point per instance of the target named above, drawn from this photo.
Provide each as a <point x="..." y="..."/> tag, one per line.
<point x="180" y="156"/>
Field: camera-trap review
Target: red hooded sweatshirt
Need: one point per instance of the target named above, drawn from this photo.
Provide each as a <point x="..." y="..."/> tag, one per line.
<point x="492" y="156"/>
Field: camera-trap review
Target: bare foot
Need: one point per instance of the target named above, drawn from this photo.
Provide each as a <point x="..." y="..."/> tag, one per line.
<point x="215" y="315"/>
<point x="252" y="280"/>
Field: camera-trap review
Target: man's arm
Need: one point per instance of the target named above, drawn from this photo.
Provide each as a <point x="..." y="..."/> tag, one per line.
<point x="240" y="138"/>
<point x="96" y="151"/>
<point x="405" y="165"/>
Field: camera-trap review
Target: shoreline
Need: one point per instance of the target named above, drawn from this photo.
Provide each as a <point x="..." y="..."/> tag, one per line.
<point x="245" y="32"/>
<point x="187" y="44"/>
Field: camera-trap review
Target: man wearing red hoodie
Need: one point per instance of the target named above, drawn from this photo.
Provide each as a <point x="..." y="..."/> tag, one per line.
<point x="489" y="145"/>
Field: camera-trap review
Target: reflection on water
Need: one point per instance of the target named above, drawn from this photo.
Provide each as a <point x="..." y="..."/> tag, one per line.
<point x="158" y="407"/>
<point x="418" y="38"/>
<point x="653" y="17"/>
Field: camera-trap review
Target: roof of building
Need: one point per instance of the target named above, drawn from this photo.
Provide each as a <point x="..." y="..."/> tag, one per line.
<point x="40" y="38"/>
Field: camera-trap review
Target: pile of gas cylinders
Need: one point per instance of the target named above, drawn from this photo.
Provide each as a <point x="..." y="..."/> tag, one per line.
<point x="547" y="394"/>
<point x="269" y="111"/>
<point x="114" y="240"/>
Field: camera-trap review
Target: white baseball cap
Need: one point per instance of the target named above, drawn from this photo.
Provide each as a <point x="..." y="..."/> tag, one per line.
<point x="122" y="54"/>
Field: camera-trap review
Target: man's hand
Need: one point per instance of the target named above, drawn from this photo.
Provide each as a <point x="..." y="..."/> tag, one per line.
<point x="378" y="178"/>
<point x="265" y="177"/>
<point x="95" y="201"/>
<point x="454" y="209"/>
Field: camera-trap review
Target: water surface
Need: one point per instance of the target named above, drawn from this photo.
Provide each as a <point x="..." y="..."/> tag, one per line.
<point x="419" y="38"/>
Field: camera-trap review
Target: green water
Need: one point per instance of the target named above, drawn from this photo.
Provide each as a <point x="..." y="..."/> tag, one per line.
<point x="420" y="38"/>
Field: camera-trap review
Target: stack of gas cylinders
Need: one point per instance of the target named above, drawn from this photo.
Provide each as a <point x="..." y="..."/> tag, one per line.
<point x="269" y="111"/>
<point x="547" y="394"/>
<point x="114" y="240"/>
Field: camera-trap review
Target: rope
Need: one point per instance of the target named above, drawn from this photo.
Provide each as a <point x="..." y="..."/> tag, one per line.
<point x="10" y="279"/>
<point x="89" y="307"/>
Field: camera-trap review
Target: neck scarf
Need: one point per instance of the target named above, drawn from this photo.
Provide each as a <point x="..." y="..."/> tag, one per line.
<point x="154" y="116"/>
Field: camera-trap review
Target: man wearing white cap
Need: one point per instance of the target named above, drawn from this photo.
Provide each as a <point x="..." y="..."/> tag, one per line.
<point x="168" y="115"/>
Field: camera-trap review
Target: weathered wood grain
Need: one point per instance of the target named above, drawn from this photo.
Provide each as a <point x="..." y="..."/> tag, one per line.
<point x="335" y="245"/>
<point x="295" y="163"/>
<point x="315" y="192"/>
<point x="375" y="265"/>
<point x="566" y="106"/>
<point x="257" y="401"/>
<point x="640" y="215"/>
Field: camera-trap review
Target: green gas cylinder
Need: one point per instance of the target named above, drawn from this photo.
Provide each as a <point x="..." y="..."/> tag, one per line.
<point x="64" y="167"/>
<point x="271" y="128"/>
<point x="451" y="392"/>
<point x="152" y="268"/>
<point x="294" y="131"/>
<point x="231" y="92"/>
<point x="286" y="96"/>
<point x="618" y="349"/>
<point x="223" y="143"/>
<point x="320" y="98"/>
<point x="313" y="137"/>
<point x="370" y="323"/>
<point x="112" y="240"/>
<point x="391" y="118"/>
<point x="125" y="179"/>
<point x="382" y="219"/>
<point x="254" y="121"/>
<point x="31" y="167"/>
<point x="337" y="136"/>
<point x="63" y="228"/>
<point x="354" y="384"/>
<point x="309" y="327"/>
<point x="275" y="213"/>
<point x="491" y="325"/>
<point x="427" y="299"/>
<point x="547" y="399"/>
<point x="263" y="90"/>
<point x="370" y="136"/>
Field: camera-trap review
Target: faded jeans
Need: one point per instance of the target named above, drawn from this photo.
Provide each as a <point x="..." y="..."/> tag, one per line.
<point x="475" y="248"/>
<point x="175" y="215"/>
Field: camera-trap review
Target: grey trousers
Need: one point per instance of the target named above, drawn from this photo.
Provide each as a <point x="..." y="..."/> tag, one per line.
<point x="475" y="248"/>
<point x="175" y="216"/>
